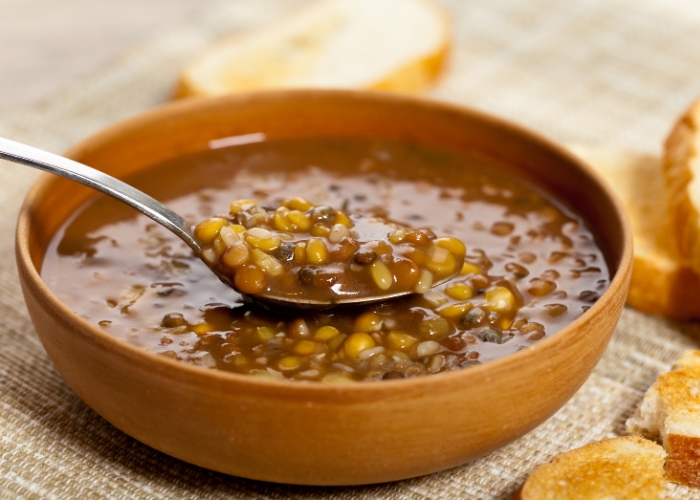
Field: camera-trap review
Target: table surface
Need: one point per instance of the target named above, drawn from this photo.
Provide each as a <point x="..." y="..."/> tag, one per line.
<point x="46" y="44"/>
<point x="614" y="73"/>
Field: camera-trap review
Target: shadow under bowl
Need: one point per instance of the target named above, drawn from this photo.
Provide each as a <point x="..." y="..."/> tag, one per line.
<point x="315" y="433"/>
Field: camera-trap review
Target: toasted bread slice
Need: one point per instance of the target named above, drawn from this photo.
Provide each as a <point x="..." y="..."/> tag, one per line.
<point x="682" y="174"/>
<point x="370" y="44"/>
<point x="625" y="467"/>
<point x="670" y="412"/>
<point x="660" y="284"/>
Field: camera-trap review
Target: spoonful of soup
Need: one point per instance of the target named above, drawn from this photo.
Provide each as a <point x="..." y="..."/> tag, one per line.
<point x="292" y="254"/>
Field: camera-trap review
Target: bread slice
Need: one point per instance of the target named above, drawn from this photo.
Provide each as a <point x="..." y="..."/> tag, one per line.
<point x="660" y="284"/>
<point x="682" y="174"/>
<point x="369" y="44"/>
<point x="621" y="468"/>
<point x="670" y="412"/>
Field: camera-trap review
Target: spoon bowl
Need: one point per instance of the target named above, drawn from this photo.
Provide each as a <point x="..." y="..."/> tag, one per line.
<point x="173" y="222"/>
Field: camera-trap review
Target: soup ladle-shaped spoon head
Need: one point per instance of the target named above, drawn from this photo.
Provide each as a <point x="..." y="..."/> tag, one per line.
<point x="361" y="259"/>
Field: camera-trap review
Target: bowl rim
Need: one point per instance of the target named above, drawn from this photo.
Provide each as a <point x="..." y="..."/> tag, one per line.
<point x="263" y="386"/>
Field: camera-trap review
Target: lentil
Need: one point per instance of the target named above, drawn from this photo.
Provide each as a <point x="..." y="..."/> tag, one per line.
<point x="343" y="259"/>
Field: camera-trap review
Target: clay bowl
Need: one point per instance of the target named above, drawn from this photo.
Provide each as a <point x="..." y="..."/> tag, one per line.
<point x="313" y="433"/>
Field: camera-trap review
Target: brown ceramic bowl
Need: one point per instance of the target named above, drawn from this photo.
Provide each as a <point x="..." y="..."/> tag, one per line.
<point x="313" y="433"/>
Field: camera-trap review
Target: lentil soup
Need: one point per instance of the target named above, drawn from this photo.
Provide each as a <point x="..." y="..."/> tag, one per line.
<point x="531" y="266"/>
<point x="299" y="251"/>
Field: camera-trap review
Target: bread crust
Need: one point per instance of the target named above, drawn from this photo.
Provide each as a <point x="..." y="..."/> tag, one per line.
<point x="683" y="462"/>
<point x="670" y="412"/>
<point x="680" y="154"/>
<point x="627" y="467"/>
<point x="660" y="283"/>
<point x="663" y="287"/>
<point x="408" y="75"/>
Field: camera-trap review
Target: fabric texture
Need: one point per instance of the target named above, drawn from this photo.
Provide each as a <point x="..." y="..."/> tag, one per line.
<point x="611" y="73"/>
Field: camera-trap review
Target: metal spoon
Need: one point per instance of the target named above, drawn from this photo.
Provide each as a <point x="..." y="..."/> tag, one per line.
<point x="55" y="164"/>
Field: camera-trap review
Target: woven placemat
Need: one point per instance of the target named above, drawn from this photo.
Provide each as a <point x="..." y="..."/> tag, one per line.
<point x="607" y="72"/>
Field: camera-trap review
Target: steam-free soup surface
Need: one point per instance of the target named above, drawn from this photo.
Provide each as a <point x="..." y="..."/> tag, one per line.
<point x="532" y="265"/>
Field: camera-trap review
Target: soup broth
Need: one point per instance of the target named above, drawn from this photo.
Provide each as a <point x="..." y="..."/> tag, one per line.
<point x="531" y="266"/>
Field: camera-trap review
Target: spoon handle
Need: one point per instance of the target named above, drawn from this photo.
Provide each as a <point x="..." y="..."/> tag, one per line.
<point x="49" y="162"/>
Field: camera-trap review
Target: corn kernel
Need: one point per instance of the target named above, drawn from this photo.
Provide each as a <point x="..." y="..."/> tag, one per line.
<point x="326" y="333"/>
<point x="459" y="291"/>
<point x="442" y="262"/>
<point x="381" y="275"/>
<point x="236" y="255"/>
<point x="381" y="248"/>
<point x="305" y="347"/>
<point x="299" y="219"/>
<point x="319" y="229"/>
<point x="434" y="328"/>
<point x="265" y="333"/>
<point x="453" y="245"/>
<point x="237" y="228"/>
<point x="202" y="328"/>
<point x="368" y="322"/>
<point x="455" y="311"/>
<point x="299" y="203"/>
<point x="281" y="223"/>
<point x="290" y="363"/>
<point x="316" y="252"/>
<point x="499" y="299"/>
<point x="469" y="268"/>
<point x="300" y="252"/>
<point x="206" y="231"/>
<point x="400" y="341"/>
<point x="504" y="323"/>
<point x="356" y="343"/>
<point x="266" y="244"/>
<point x="267" y="263"/>
<point x="397" y="236"/>
<point x="341" y="218"/>
<point x="250" y="279"/>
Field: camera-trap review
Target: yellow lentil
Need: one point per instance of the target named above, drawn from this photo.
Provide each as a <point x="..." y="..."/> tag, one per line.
<point x="356" y="343"/>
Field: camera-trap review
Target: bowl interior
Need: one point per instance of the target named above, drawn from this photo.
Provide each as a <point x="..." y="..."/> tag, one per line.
<point x="236" y="405"/>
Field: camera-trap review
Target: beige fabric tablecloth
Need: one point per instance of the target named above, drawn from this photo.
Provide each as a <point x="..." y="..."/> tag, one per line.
<point x="614" y="73"/>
